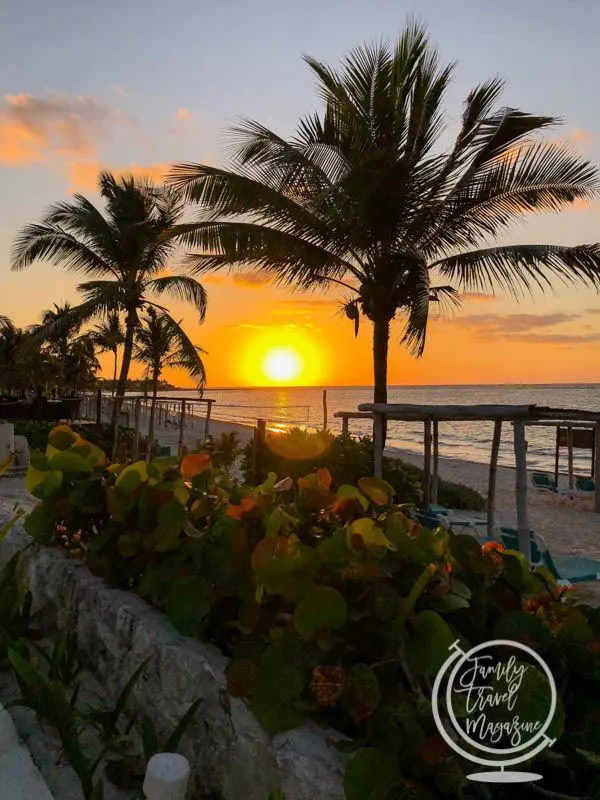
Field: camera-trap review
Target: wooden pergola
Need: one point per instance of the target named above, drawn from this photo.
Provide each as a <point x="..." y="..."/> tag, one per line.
<point x="519" y="416"/>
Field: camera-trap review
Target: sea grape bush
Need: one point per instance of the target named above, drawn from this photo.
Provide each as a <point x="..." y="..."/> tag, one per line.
<point x="333" y="605"/>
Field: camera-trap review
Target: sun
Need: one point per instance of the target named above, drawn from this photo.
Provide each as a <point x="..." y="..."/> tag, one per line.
<point x="282" y="364"/>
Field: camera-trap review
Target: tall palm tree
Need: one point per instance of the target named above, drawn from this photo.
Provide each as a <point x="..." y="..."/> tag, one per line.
<point x="368" y="195"/>
<point x="161" y="343"/>
<point x="108" y="337"/>
<point x="120" y="252"/>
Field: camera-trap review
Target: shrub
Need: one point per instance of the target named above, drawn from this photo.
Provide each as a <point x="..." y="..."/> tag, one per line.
<point x="298" y="452"/>
<point x="331" y="604"/>
<point x="36" y="432"/>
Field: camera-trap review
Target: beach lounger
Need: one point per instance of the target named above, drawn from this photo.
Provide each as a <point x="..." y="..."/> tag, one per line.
<point x="564" y="568"/>
<point x="457" y="519"/>
<point x="585" y="487"/>
<point x="544" y="483"/>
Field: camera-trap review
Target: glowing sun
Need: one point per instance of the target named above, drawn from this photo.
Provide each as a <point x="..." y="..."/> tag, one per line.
<point x="282" y="364"/>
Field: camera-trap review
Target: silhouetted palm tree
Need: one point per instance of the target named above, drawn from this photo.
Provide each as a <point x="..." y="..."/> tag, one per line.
<point x="108" y="337"/>
<point x="121" y="253"/>
<point x="162" y="343"/>
<point x="368" y="195"/>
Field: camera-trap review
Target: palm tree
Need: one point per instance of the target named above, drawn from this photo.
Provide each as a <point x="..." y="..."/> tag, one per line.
<point x="161" y="343"/>
<point x="108" y="337"/>
<point x="121" y="253"/>
<point x="367" y="196"/>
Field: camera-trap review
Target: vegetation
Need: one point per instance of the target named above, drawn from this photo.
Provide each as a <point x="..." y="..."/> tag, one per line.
<point x="108" y="336"/>
<point x="299" y="452"/>
<point x="162" y="343"/>
<point x="331" y="604"/>
<point x="121" y="253"/>
<point x="36" y="432"/>
<point x="367" y="197"/>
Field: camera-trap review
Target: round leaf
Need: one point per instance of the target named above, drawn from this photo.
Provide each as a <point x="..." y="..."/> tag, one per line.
<point x="69" y="461"/>
<point x="322" y="608"/>
<point x="370" y="771"/>
<point x="187" y="604"/>
<point x="379" y="492"/>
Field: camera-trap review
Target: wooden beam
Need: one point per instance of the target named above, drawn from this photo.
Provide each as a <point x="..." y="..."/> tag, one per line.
<point x="597" y="469"/>
<point x="557" y="455"/>
<point x="427" y="464"/>
<point x="345" y="426"/>
<point x="324" y="409"/>
<point x="411" y="412"/>
<point x="436" y="462"/>
<point x="207" y="419"/>
<point x="521" y="488"/>
<point x="570" y="454"/>
<point x="136" y="424"/>
<point x="352" y="415"/>
<point x="378" y="444"/>
<point x="491" y="501"/>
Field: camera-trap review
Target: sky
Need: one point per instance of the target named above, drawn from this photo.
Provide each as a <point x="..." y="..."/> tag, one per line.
<point x="136" y="85"/>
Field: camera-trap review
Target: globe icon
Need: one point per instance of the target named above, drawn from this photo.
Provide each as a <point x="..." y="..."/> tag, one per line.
<point x="532" y="745"/>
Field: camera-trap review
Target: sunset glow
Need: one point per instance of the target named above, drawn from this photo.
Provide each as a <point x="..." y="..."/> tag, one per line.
<point x="282" y="365"/>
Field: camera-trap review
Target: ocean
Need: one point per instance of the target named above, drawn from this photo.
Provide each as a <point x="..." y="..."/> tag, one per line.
<point x="470" y="441"/>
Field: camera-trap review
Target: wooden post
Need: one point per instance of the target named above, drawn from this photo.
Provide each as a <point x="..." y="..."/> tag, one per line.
<point x="324" y="409"/>
<point x="597" y="468"/>
<point x="181" y="427"/>
<point x="136" y="425"/>
<point x="378" y="445"/>
<point x="491" y="501"/>
<point x="521" y="488"/>
<point x="98" y="406"/>
<point x="260" y="434"/>
<point x="557" y="455"/>
<point x="570" y="450"/>
<point x="593" y="453"/>
<point x="436" y="462"/>
<point x="207" y="419"/>
<point x="345" y="426"/>
<point x="427" y="465"/>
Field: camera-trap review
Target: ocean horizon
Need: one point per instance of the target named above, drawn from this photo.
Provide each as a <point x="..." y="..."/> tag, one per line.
<point x="470" y="441"/>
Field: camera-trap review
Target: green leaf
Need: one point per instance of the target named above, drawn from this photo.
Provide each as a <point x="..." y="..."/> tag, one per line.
<point x="149" y="738"/>
<point x="42" y="484"/>
<point x="128" y="544"/>
<point x="184" y="723"/>
<point x="428" y="648"/>
<point x="171" y="517"/>
<point x="127" y="689"/>
<point x="526" y="628"/>
<point x="69" y="461"/>
<point x="321" y="609"/>
<point x="278" y="677"/>
<point x="39" y="524"/>
<point x="132" y="476"/>
<point x="368" y="772"/>
<point x="363" y="695"/>
<point x="348" y="492"/>
<point x="187" y="604"/>
<point x="378" y="491"/>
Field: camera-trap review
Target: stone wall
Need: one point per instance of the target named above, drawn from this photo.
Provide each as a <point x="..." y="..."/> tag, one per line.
<point x="232" y="758"/>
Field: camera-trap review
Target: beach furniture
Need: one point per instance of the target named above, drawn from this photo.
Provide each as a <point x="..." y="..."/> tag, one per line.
<point x="585" y="487"/>
<point x="457" y="519"/>
<point x="543" y="483"/>
<point x="564" y="568"/>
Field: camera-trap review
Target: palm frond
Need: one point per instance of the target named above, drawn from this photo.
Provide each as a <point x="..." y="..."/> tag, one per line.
<point x="181" y="287"/>
<point x="521" y="268"/>
<point x="43" y="242"/>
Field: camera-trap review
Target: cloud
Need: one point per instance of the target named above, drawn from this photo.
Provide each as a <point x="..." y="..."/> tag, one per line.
<point x="36" y="129"/>
<point x="250" y="280"/>
<point x="215" y="279"/>
<point x="483" y="297"/>
<point x="580" y="136"/>
<point x="523" y="328"/>
<point x="183" y="114"/>
<point x="83" y="175"/>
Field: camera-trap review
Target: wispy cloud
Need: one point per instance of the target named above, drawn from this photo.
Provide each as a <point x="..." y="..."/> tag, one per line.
<point x="250" y="280"/>
<point x="38" y="129"/>
<point x="524" y="328"/>
<point x="483" y="297"/>
<point x="580" y="136"/>
<point x="83" y="175"/>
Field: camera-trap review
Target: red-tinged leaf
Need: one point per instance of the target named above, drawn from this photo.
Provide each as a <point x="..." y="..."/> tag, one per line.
<point x="328" y="685"/>
<point x="194" y="464"/>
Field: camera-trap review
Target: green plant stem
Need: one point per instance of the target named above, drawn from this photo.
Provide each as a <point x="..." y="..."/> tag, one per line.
<point x="416" y="592"/>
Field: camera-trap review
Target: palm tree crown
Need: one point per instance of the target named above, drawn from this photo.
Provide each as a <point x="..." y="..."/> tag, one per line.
<point x="367" y="195"/>
<point x="120" y="252"/>
<point x="161" y="343"/>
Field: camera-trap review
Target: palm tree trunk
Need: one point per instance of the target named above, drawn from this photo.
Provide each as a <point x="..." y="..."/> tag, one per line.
<point x="153" y="408"/>
<point x="130" y="326"/>
<point x="114" y="373"/>
<point x="381" y="336"/>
